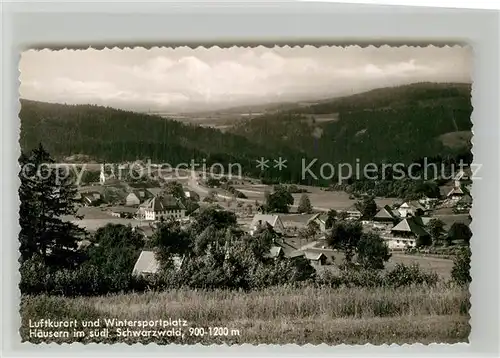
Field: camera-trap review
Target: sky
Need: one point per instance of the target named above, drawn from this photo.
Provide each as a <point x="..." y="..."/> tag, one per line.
<point x="189" y="80"/>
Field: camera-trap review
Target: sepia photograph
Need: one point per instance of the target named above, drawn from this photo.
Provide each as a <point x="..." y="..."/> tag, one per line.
<point x="233" y="195"/>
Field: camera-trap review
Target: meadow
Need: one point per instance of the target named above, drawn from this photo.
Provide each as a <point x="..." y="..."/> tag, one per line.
<point x="276" y="315"/>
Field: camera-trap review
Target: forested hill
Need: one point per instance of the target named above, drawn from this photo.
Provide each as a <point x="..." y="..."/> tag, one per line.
<point x="388" y="124"/>
<point x="399" y="124"/>
<point x="112" y="135"/>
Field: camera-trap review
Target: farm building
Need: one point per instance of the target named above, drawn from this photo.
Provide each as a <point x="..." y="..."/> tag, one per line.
<point x="319" y="219"/>
<point x="147" y="264"/>
<point x="386" y="217"/>
<point x="132" y="199"/>
<point x="273" y="220"/>
<point x="410" y="208"/>
<point x="405" y="233"/>
<point x="316" y="258"/>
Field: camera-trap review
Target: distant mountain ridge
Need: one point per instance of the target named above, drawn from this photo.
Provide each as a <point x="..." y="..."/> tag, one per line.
<point x="399" y="124"/>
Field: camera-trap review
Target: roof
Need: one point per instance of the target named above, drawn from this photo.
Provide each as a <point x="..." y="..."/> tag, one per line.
<point x="314" y="255"/>
<point x="270" y="219"/>
<point x="456" y="191"/>
<point x="445" y="189"/>
<point x="296" y="253"/>
<point x="413" y="225"/>
<point x="146" y="263"/>
<point x="274" y="252"/>
<point x="163" y="203"/>
<point x="154" y="191"/>
<point x="319" y="216"/>
<point x="387" y="213"/>
<point x="412" y="204"/>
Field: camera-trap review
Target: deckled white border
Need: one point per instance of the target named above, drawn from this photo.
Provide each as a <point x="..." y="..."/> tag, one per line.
<point x="63" y="25"/>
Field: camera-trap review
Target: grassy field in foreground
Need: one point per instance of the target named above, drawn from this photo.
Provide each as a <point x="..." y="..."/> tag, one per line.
<point x="273" y="316"/>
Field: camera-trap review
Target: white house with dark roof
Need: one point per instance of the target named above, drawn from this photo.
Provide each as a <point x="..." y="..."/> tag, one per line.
<point x="163" y="206"/>
<point x="406" y="232"/>
<point x="410" y="208"/>
<point x="260" y="219"/>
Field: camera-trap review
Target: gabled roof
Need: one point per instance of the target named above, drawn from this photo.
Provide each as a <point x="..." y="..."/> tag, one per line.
<point x="314" y="255"/>
<point x="414" y="225"/>
<point x="415" y="205"/>
<point x="296" y="253"/>
<point x="274" y="252"/>
<point x="154" y="191"/>
<point x="387" y="213"/>
<point x="146" y="263"/>
<point x="456" y="191"/>
<point x="319" y="216"/>
<point x="163" y="203"/>
<point x="270" y="219"/>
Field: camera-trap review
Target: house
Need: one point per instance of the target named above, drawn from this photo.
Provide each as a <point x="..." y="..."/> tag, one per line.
<point x="91" y="198"/>
<point x="411" y="208"/>
<point x="132" y="199"/>
<point x="427" y="203"/>
<point x="273" y="220"/>
<point x="295" y="254"/>
<point x="319" y="219"/>
<point x="386" y="217"/>
<point x="316" y="258"/>
<point x="163" y="206"/>
<point x="464" y="204"/>
<point x="153" y="192"/>
<point x="147" y="264"/>
<point x="275" y="252"/>
<point x="353" y="213"/>
<point x="457" y="192"/>
<point x="406" y="232"/>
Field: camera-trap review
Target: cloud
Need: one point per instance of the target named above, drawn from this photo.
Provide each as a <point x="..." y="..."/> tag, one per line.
<point x="185" y="78"/>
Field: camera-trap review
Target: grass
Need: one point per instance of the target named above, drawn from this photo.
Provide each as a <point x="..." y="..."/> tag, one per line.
<point x="277" y="315"/>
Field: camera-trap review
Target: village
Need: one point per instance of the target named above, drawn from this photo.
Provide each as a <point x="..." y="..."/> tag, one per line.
<point x="142" y="204"/>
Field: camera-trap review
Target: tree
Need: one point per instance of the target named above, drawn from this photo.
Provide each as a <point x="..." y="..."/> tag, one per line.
<point x="423" y="241"/>
<point x="115" y="249"/>
<point x="304" y="205"/>
<point x="459" y="232"/>
<point x="461" y="267"/>
<point x="372" y="251"/>
<point x="435" y="227"/>
<point x="345" y="236"/>
<point x="331" y="216"/>
<point x="367" y="207"/>
<point x="219" y="219"/>
<point x="170" y="239"/>
<point x="175" y="188"/>
<point x="47" y="193"/>
<point x="279" y="201"/>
